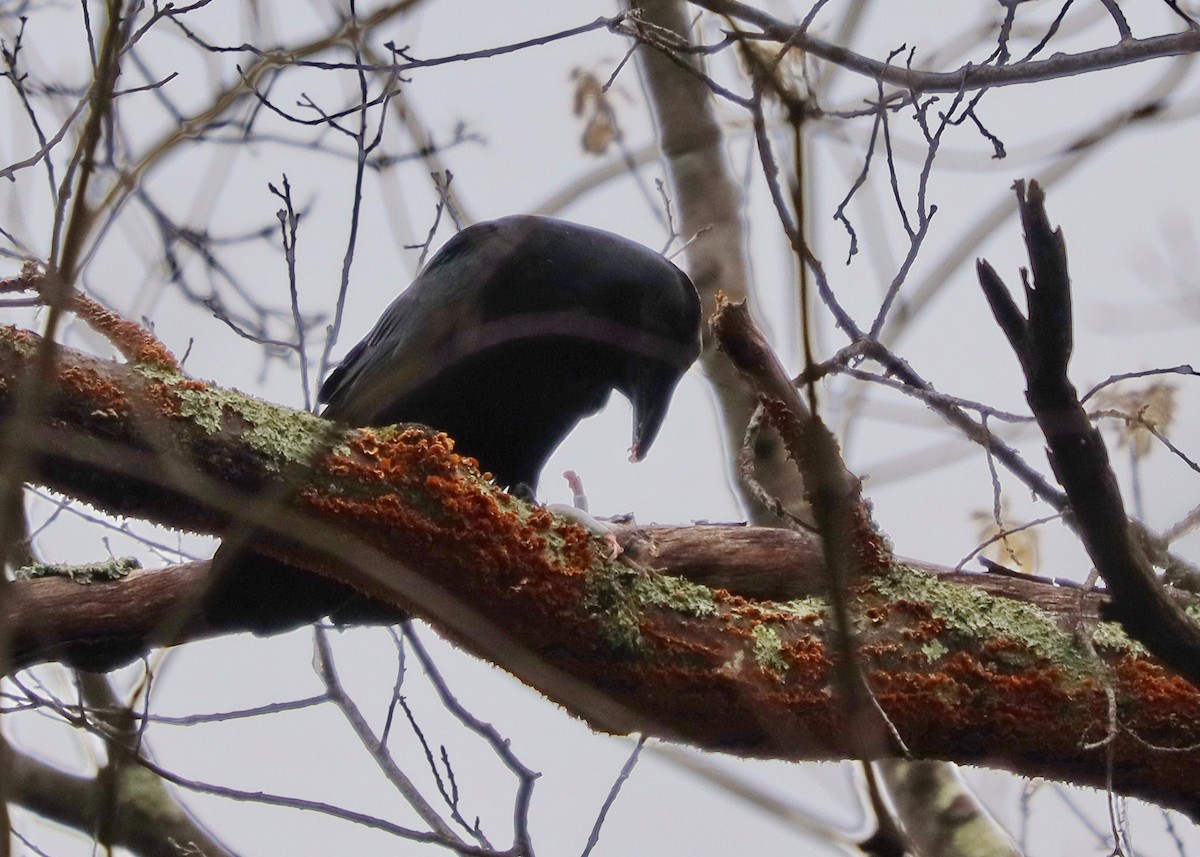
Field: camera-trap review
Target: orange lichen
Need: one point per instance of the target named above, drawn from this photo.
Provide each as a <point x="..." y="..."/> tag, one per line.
<point x="472" y="523"/>
<point x="732" y="599"/>
<point x="881" y="650"/>
<point x="1157" y="690"/>
<point x="917" y="609"/>
<point x="1006" y="648"/>
<point x="926" y="630"/>
<point x="809" y="655"/>
<point x="876" y="615"/>
<point x="410" y="456"/>
<point x="100" y="394"/>
<point x="577" y="544"/>
<point x="136" y="343"/>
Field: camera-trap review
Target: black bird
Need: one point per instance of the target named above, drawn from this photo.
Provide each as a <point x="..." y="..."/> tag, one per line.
<point x="517" y="330"/>
<point x="514" y="332"/>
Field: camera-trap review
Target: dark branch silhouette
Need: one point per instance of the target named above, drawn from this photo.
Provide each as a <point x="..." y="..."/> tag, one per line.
<point x="1043" y="342"/>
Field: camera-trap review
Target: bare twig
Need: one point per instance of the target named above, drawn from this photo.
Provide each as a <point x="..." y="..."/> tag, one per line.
<point x="289" y="223"/>
<point x="611" y="797"/>
<point x="325" y="669"/>
<point x="969" y="77"/>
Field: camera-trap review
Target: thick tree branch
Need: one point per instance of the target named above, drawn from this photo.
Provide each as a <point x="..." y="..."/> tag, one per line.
<point x="106" y="623"/>
<point x="1043" y="344"/>
<point x="396" y="513"/>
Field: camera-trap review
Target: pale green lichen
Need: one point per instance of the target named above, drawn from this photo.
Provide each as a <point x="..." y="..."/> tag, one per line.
<point x="1110" y="635"/>
<point x="975" y="614"/>
<point x="281" y="435"/>
<point x="610" y="598"/>
<point x="934" y="649"/>
<point x="110" y="569"/>
<point x="675" y="593"/>
<point x="768" y="648"/>
<point x="158" y="372"/>
<point x="619" y="596"/>
<point x="813" y="609"/>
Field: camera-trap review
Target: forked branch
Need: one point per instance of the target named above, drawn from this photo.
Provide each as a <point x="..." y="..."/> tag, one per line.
<point x="1042" y="342"/>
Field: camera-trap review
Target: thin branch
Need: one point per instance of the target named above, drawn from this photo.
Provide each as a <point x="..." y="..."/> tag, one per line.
<point x="501" y="746"/>
<point x="1184" y="369"/>
<point x="611" y="797"/>
<point x="969" y="77"/>
<point x="325" y="669"/>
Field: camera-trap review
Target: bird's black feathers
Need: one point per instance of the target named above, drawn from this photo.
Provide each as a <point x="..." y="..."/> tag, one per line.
<point x="516" y="330"/>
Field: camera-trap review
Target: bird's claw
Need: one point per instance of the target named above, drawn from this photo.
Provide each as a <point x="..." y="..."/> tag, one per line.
<point x="578" y="512"/>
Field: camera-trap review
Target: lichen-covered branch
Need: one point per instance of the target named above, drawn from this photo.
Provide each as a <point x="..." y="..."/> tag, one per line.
<point x="835" y="494"/>
<point x="51" y="618"/>
<point x="962" y="675"/>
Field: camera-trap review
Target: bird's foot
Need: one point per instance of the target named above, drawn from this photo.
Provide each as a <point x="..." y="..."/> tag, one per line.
<point x="578" y="512"/>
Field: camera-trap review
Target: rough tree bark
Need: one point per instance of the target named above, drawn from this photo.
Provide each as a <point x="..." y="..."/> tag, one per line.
<point x="962" y="675"/>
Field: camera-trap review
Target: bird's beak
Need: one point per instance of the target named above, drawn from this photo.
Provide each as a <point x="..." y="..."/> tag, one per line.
<point x="649" y="392"/>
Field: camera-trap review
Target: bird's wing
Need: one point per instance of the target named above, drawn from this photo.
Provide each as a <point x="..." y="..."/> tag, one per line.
<point x="420" y="332"/>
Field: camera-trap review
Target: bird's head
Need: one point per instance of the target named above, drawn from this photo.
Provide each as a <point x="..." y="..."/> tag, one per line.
<point x="641" y="312"/>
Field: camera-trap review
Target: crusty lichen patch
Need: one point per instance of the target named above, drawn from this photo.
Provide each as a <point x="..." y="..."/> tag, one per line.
<point x="283" y="436"/>
<point x="110" y="569"/>
<point x="1110" y="635"/>
<point x="974" y="614"/>
<point x="768" y="648"/>
<point x="675" y="593"/>
<point x="812" y="609"/>
<point x="619" y="596"/>
<point x="934" y="649"/>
